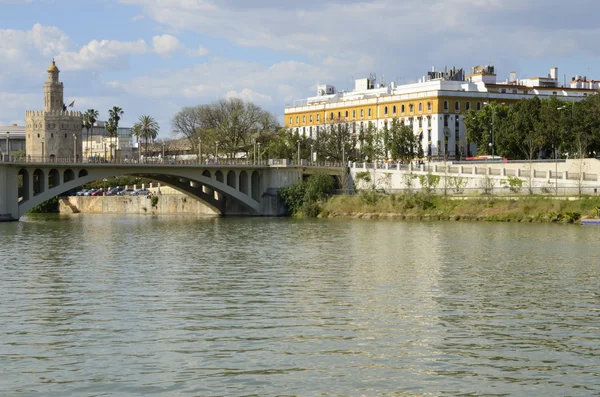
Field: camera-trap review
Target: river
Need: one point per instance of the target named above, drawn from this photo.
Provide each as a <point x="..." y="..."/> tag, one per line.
<point x="108" y="305"/>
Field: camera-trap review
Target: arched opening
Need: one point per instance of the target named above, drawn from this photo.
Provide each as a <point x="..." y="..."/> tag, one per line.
<point x="256" y="185"/>
<point x="219" y="176"/>
<point x="69" y="175"/>
<point x="23" y="181"/>
<point x="52" y="158"/>
<point x="206" y="173"/>
<point x="82" y="173"/>
<point x="231" y="179"/>
<point x="243" y="182"/>
<point x="38" y="182"/>
<point x="53" y="178"/>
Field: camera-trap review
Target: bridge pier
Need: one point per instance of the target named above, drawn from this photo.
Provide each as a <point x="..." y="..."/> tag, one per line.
<point x="9" y="202"/>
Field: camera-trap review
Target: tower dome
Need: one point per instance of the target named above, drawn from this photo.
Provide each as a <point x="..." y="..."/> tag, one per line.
<point x="53" y="67"/>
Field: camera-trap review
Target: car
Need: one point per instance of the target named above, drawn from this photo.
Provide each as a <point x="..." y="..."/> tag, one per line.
<point x="126" y="192"/>
<point x="90" y="191"/>
<point x="82" y="192"/>
<point x="141" y="192"/>
<point x="98" y="192"/>
<point x="114" y="191"/>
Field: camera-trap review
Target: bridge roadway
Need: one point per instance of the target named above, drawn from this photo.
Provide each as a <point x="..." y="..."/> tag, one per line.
<point x="227" y="187"/>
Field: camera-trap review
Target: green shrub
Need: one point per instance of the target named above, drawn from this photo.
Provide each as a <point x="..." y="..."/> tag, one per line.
<point x="154" y="201"/>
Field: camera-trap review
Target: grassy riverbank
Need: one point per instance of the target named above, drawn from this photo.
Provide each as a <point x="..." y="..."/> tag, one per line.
<point x="417" y="206"/>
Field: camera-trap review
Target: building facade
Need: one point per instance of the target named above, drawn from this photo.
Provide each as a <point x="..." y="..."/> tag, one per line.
<point x="55" y="132"/>
<point x="97" y="143"/>
<point x="433" y="107"/>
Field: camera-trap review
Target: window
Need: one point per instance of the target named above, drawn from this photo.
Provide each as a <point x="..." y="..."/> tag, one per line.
<point x="65" y="135"/>
<point x="445" y="121"/>
<point x="402" y="109"/>
<point x="385" y="110"/>
<point x="354" y="114"/>
<point x="446" y="105"/>
<point x="346" y="115"/>
<point x="478" y="105"/>
<point x="362" y="113"/>
<point x="503" y="90"/>
<point x="310" y="118"/>
<point x="468" y="106"/>
<point x="411" y="108"/>
<point x="370" y="112"/>
<point x="394" y="109"/>
<point x="318" y="117"/>
<point x="331" y="116"/>
<point x="420" y="122"/>
<point x="291" y="120"/>
<point x="303" y="119"/>
<point x="339" y="115"/>
<point x="420" y="107"/>
<point x="429" y="106"/>
<point x="457" y="106"/>
<point x="310" y="131"/>
<point x="297" y="119"/>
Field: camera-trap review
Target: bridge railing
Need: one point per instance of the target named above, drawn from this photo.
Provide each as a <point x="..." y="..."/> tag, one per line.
<point x="171" y="161"/>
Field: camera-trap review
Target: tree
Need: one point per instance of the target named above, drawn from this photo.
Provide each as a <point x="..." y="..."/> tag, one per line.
<point x="235" y="124"/>
<point x="89" y="118"/>
<point x="404" y="144"/>
<point x="113" y="123"/>
<point x="146" y="129"/>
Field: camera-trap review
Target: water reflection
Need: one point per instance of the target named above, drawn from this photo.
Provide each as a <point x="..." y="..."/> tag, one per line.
<point x="109" y="305"/>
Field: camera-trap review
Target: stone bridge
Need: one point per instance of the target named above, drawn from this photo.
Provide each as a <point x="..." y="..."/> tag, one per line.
<point x="228" y="189"/>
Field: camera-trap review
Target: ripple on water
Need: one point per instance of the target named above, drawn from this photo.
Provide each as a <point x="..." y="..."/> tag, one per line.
<point x="127" y="305"/>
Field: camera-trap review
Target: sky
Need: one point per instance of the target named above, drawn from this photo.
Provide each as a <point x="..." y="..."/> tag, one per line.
<point x="153" y="57"/>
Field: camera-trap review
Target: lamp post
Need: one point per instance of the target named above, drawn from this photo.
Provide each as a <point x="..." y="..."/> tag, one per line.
<point x="259" y="154"/>
<point x="298" y="151"/>
<point x="74" y="148"/>
<point x="105" y="152"/>
<point x="7" y="146"/>
<point x="104" y="186"/>
<point x="216" y="151"/>
<point x="199" y="150"/>
<point x="163" y="151"/>
<point x="254" y="157"/>
<point x="311" y="153"/>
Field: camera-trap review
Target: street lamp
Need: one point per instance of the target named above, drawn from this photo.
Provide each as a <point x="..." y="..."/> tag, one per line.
<point x="259" y="154"/>
<point x="298" y="151"/>
<point x="216" y="151"/>
<point x="311" y="153"/>
<point x="163" y="151"/>
<point x="74" y="148"/>
<point x="199" y="150"/>
<point x="104" y="186"/>
<point x="7" y="146"/>
<point x="554" y="148"/>
<point x="493" y="116"/>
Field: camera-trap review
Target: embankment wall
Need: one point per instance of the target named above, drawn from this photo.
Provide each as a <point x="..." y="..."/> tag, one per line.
<point x="167" y="204"/>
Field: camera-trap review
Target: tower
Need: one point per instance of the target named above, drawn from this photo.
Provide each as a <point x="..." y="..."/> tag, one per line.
<point x="53" y="90"/>
<point x="53" y="134"/>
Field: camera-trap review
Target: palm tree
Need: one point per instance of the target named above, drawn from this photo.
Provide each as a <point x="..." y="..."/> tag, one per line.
<point x="147" y="129"/>
<point x="113" y="122"/>
<point x="89" y="118"/>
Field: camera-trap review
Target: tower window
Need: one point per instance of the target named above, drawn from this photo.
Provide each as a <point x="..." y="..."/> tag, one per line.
<point x="394" y="109"/>
<point x="445" y="105"/>
<point x="402" y="109"/>
<point x="385" y="110"/>
<point x="457" y="106"/>
<point x="420" y="106"/>
<point x="370" y="112"/>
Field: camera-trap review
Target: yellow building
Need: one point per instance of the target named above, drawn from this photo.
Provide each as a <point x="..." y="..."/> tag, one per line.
<point x="433" y="106"/>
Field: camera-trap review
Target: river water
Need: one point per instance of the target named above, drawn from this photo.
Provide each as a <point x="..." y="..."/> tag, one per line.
<point x="95" y="305"/>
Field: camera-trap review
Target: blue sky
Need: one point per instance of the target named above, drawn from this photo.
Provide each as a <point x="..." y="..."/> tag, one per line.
<point x="156" y="56"/>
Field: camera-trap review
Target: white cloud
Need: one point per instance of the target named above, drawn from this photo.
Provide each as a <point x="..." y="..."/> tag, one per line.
<point x="99" y="55"/>
<point x="198" y="52"/>
<point x="166" y="45"/>
<point x="137" y="18"/>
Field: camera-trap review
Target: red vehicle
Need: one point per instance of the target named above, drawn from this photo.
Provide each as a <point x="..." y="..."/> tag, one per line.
<point x="98" y="192"/>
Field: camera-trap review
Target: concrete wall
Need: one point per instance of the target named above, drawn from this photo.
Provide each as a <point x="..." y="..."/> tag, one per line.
<point x="167" y="204"/>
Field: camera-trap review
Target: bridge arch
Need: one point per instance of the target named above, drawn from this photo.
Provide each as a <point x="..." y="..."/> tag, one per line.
<point x="68" y="175"/>
<point x="23" y="181"/>
<point x="243" y="182"/>
<point x="219" y="196"/>
<point x="231" y="179"/>
<point x="39" y="179"/>
<point x="53" y="178"/>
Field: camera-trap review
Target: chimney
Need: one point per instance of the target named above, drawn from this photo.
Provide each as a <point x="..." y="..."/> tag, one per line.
<point x="554" y="73"/>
